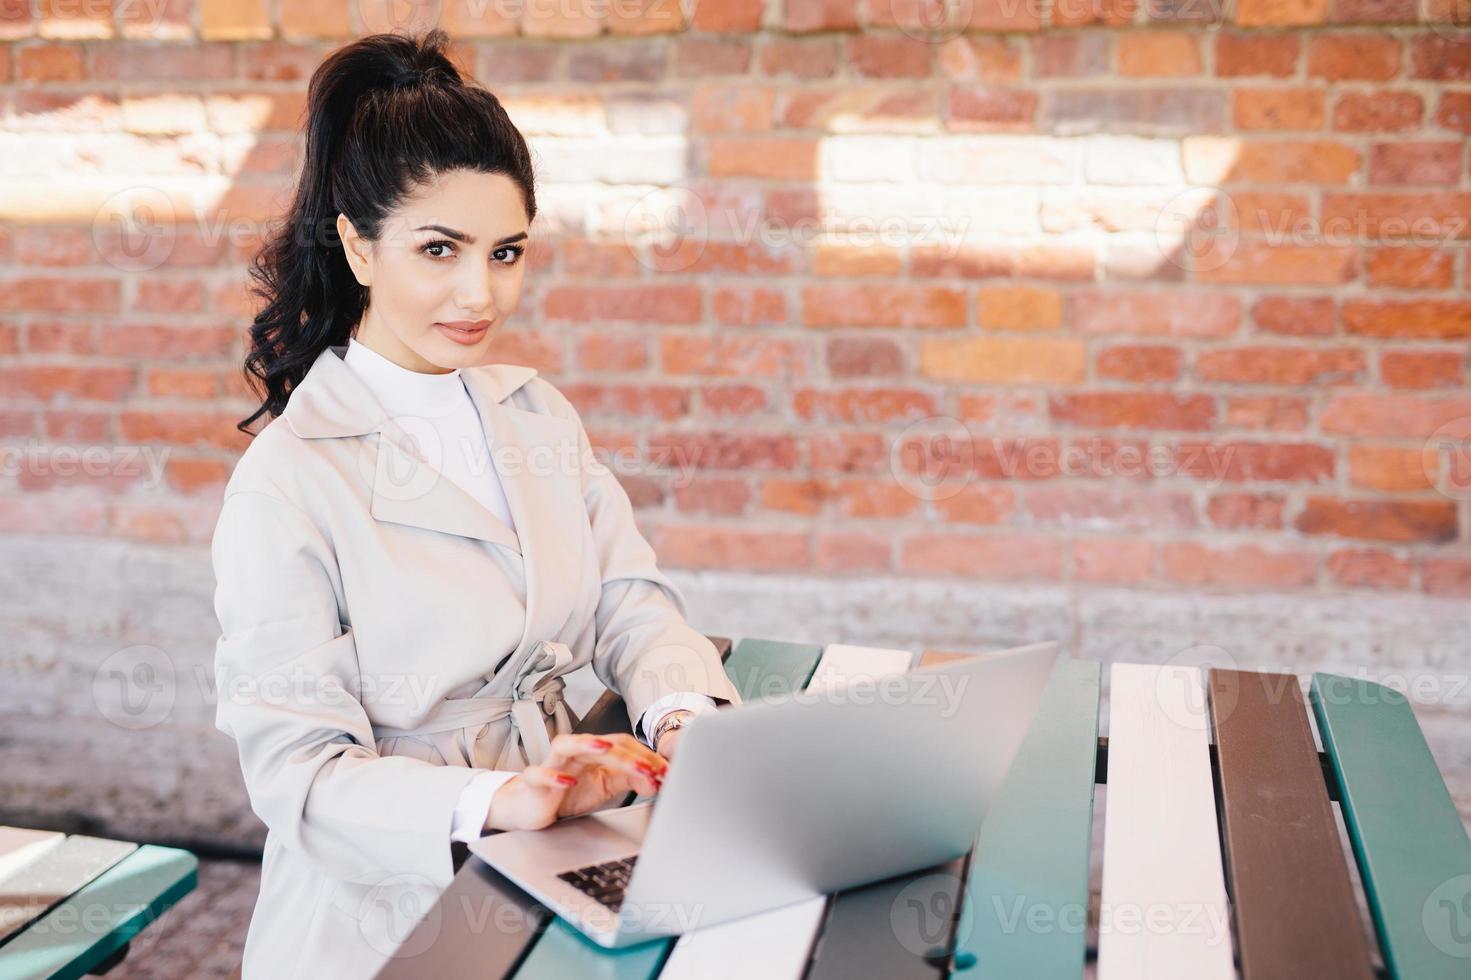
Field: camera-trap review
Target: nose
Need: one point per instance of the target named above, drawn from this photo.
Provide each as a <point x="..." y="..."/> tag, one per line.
<point x="474" y="295"/>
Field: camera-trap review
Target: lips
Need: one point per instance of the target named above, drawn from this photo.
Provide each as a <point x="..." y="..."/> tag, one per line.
<point x="464" y="331"/>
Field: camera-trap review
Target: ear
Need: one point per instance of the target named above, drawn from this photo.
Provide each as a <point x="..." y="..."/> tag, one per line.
<point x="356" y="250"/>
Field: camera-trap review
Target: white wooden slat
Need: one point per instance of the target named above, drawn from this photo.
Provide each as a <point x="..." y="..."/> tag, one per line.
<point x="777" y="943"/>
<point x="774" y="944"/>
<point x="20" y="846"/>
<point x="1164" y="911"/>
<point x="841" y="662"/>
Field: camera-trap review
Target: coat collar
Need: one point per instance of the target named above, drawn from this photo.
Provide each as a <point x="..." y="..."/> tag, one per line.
<point x="332" y="401"/>
<point x="537" y="457"/>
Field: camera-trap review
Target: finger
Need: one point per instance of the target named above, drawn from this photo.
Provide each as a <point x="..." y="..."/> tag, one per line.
<point x="547" y="777"/>
<point x="627" y="755"/>
<point x="589" y="749"/>
<point x="643" y="766"/>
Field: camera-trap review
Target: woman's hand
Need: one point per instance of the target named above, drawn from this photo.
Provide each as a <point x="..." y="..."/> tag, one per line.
<point x="581" y="773"/>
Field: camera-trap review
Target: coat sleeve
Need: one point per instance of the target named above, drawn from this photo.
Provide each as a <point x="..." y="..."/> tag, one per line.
<point x="645" y="648"/>
<point x="286" y="670"/>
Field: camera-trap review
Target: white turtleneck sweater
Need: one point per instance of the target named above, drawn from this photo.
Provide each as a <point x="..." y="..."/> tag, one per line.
<point x="443" y="401"/>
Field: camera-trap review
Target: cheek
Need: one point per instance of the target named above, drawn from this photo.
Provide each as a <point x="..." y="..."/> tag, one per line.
<point x="415" y="291"/>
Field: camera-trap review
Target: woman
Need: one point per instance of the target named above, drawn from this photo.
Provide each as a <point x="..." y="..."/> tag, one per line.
<point x="418" y="547"/>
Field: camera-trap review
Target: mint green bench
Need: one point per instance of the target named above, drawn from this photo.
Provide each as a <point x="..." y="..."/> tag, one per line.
<point x="1215" y="794"/>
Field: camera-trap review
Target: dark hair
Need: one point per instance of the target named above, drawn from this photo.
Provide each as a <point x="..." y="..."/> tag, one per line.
<point x="384" y="113"/>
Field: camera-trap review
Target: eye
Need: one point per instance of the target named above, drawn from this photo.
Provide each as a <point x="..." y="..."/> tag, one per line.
<point x="515" y="251"/>
<point x="438" y="243"/>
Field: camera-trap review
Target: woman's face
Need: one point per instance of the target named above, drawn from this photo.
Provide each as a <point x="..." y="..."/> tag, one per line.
<point x="452" y="254"/>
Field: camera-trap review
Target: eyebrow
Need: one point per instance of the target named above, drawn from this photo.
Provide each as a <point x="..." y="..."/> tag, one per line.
<point x="466" y="237"/>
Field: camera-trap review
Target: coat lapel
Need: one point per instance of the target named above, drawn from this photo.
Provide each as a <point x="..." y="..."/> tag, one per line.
<point x="535" y="454"/>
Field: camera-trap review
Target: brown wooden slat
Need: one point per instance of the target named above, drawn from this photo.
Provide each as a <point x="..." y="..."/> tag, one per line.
<point x="1296" y="915"/>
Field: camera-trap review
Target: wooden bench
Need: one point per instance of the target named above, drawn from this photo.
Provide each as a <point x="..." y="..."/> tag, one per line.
<point x="1221" y="851"/>
<point x="70" y="904"/>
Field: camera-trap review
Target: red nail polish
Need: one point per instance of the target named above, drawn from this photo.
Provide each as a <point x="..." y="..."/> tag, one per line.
<point x="601" y="743"/>
<point x="566" y="780"/>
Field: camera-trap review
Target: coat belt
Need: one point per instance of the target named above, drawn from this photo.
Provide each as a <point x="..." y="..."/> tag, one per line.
<point x="538" y="694"/>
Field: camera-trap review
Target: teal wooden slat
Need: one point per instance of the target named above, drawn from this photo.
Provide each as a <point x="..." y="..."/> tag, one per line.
<point x="1413" y="853"/>
<point x="757" y="668"/>
<point x="95" y="921"/>
<point x="766" y="668"/>
<point x="1026" y="900"/>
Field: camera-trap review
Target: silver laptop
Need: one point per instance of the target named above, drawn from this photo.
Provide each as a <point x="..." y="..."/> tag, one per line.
<point x="786" y="798"/>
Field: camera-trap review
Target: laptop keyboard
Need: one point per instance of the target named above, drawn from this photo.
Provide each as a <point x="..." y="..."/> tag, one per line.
<point x="604" y="882"/>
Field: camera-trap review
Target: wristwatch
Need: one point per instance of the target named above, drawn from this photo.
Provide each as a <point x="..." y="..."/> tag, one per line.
<point x="671" y="721"/>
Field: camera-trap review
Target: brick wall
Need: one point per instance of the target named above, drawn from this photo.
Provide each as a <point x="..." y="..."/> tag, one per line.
<point x="1094" y="313"/>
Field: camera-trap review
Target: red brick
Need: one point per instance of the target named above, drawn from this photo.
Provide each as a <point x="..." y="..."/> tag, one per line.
<point x="1440" y="319"/>
<point x="1398" y="216"/>
<point x="183" y="382"/>
<point x="1440" y="57"/>
<point x="1246" y="511"/>
<point x="165" y="341"/>
<point x="41" y="64"/>
<point x="737" y="400"/>
<point x="48" y="382"/>
<point x="729" y="17"/>
<point x="849" y="452"/>
<point x="194" y="474"/>
<point x="1279" y="109"/>
<point x="876" y="499"/>
<point x="1281" y="13"/>
<point x="721" y="496"/>
<point x="1242" y="54"/>
<point x="852" y="551"/>
<point x="992" y="60"/>
<point x="1069" y="55"/>
<point x="973" y="503"/>
<point x="765" y="158"/>
<point x="1454" y="111"/>
<point x="1360" y="56"/>
<point x="1281" y="365"/>
<point x="990" y="108"/>
<point x="857" y="261"/>
<point x="1023" y="308"/>
<point x="1005" y="360"/>
<point x="1117" y="561"/>
<point x="1133" y="409"/>
<point x="1238" y="567"/>
<point x="1383" y="520"/>
<point x="1158" y="53"/>
<point x="1268" y="413"/>
<point x="1422" y="369"/>
<point x="1011" y="557"/>
<point x="730" y="355"/>
<point x="800" y="57"/>
<point x="701" y="57"/>
<point x="807" y="16"/>
<point x="644" y="400"/>
<point x="1139" y="362"/>
<point x="1446" y="576"/>
<point x="1251" y="262"/>
<point x="1234" y="462"/>
<point x="1375" y="11"/>
<point x="1387" y="468"/>
<point x="601" y="260"/>
<point x="1294" y="315"/>
<point x="855" y="357"/>
<point x="728" y="450"/>
<point x="1111" y="13"/>
<point x="863" y="404"/>
<point x="54" y="294"/>
<point x="732" y="108"/>
<point x="855" y="305"/>
<point x="57" y="337"/>
<point x="1108" y="508"/>
<point x="612" y="352"/>
<point x="1411" y="268"/>
<point x="748" y="306"/>
<point x="804" y="496"/>
<point x="194" y="428"/>
<point x="159" y="295"/>
<point x="1432" y="162"/>
<point x="735" y="549"/>
<point x="1394" y="416"/>
<point x="645" y="302"/>
<point x="897" y="56"/>
<point x="1002" y="16"/>
<point x="1173" y="313"/>
<point x="1378" y="112"/>
<point x="1368" y="568"/>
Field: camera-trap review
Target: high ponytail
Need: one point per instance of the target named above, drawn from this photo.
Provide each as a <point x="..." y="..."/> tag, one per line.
<point x="384" y="114"/>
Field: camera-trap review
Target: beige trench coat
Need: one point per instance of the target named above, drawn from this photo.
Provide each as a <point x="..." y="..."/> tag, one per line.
<point x="383" y="635"/>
